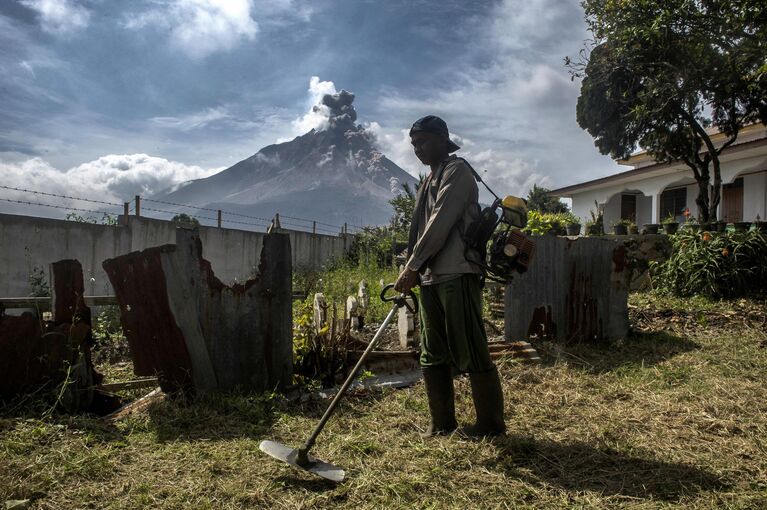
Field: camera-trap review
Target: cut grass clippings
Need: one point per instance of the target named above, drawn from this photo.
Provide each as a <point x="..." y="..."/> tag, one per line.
<point x="673" y="417"/>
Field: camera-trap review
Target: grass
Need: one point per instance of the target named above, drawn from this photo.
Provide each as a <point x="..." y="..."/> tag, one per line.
<point x="672" y="417"/>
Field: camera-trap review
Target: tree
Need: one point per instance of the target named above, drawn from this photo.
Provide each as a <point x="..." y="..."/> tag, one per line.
<point x="185" y="220"/>
<point x="538" y="199"/>
<point x="662" y="73"/>
<point x="403" y="205"/>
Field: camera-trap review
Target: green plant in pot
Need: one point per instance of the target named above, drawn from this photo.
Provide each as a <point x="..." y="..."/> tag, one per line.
<point x="572" y="224"/>
<point x="595" y="226"/>
<point x="621" y="227"/>
<point x="670" y="225"/>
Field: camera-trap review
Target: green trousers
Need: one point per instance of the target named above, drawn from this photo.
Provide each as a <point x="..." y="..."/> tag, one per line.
<point x="452" y="331"/>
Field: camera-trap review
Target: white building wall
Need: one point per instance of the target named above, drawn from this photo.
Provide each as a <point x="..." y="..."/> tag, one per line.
<point x="754" y="196"/>
<point x="752" y="169"/>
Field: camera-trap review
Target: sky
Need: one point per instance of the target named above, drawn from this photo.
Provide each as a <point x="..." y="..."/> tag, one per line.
<point x="111" y="99"/>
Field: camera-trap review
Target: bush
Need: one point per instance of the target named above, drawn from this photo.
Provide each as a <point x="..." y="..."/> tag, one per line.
<point x="713" y="264"/>
<point x="539" y="223"/>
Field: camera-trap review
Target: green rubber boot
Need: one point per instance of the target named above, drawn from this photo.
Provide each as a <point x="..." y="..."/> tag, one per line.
<point x="441" y="396"/>
<point x="488" y="402"/>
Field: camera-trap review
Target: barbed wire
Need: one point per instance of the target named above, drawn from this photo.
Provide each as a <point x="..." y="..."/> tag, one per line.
<point x="60" y="196"/>
<point x="315" y="224"/>
<point x="25" y="202"/>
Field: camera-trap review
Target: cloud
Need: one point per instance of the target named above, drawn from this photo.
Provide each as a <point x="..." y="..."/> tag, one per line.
<point x="59" y="17"/>
<point x="115" y="178"/>
<point x="517" y="106"/>
<point x="200" y="27"/>
<point x="206" y="118"/>
<point x="318" y="114"/>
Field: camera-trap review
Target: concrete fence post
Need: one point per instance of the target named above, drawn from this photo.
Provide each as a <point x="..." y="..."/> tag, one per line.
<point x="126" y="212"/>
<point x="219" y="218"/>
<point x="138" y="205"/>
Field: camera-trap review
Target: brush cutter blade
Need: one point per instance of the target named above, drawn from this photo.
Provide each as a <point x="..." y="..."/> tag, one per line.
<point x="290" y="456"/>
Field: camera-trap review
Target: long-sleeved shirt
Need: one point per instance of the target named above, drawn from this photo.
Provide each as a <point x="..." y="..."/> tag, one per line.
<point x="451" y="205"/>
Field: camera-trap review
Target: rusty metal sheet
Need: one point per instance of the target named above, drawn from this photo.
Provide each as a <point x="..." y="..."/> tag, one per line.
<point x="576" y="290"/>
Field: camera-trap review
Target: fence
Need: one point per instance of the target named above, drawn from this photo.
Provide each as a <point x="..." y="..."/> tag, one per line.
<point x="138" y="207"/>
<point x="28" y="244"/>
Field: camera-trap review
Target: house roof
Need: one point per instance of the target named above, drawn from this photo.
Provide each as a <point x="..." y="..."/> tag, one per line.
<point x="751" y="136"/>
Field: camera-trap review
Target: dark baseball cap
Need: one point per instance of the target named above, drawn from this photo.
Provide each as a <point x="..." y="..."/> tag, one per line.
<point x="433" y="124"/>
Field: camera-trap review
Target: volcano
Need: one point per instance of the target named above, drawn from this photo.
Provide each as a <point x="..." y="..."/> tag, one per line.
<point x="333" y="175"/>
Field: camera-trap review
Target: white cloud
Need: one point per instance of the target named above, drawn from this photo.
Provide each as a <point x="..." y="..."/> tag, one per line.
<point x="318" y="114"/>
<point x="205" y="118"/>
<point x="113" y="178"/>
<point x="201" y="27"/>
<point x="60" y="17"/>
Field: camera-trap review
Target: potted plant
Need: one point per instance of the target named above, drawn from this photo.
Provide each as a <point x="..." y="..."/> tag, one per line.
<point x="633" y="229"/>
<point x="595" y="226"/>
<point x="572" y="224"/>
<point x="720" y="226"/>
<point x="621" y="227"/>
<point x="651" y="228"/>
<point x="670" y="225"/>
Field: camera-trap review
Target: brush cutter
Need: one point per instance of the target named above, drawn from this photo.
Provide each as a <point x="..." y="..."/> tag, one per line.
<point x="299" y="457"/>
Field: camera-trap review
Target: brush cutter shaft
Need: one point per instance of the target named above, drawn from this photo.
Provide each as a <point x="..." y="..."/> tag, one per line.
<point x="332" y="407"/>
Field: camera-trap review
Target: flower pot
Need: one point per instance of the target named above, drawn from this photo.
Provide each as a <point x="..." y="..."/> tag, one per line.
<point x="573" y="229"/>
<point x="671" y="227"/>
<point x="742" y="226"/>
<point x="620" y="230"/>
<point x="633" y="230"/>
<point x="651" y="228"/>
<point x="706" y="227"/>
<point x="593" y="230"/>
<point x="721" y="226"/>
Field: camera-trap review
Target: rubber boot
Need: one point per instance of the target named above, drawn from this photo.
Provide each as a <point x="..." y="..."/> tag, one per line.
<point x="488" y="402"/>
<point x="441" y="396"/>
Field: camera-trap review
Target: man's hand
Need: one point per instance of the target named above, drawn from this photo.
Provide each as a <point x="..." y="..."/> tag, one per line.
<point x="406" y="281"/>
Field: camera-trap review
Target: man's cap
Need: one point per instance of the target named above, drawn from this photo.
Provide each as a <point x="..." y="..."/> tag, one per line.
<point x="433" y="124"/>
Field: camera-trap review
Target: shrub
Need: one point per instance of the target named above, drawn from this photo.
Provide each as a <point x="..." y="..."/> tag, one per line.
<point x="713" y="264"/>
<point x="539" y="223"/>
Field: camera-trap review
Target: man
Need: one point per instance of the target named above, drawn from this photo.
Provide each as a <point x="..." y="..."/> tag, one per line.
<point x="452" y="332"/>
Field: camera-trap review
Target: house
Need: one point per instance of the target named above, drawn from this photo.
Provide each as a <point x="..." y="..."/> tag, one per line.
<point x="652" y="191"/>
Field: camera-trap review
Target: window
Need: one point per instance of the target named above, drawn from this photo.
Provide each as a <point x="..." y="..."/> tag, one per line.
<point x="628" y="207"/>
<point x="673" y="202"/>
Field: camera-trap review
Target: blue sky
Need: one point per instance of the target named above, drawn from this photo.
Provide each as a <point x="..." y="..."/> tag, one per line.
<point x="118" y="98"/>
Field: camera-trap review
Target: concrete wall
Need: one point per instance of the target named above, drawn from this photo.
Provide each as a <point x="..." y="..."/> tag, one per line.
<point x="27" y="242"/>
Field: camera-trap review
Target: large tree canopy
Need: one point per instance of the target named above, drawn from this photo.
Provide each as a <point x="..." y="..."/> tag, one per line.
<point x="538" y="199"/>
<point x="662" y="72"/>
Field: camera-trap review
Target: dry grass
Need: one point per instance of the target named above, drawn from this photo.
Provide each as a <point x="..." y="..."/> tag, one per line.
<point x="674" y="419"/>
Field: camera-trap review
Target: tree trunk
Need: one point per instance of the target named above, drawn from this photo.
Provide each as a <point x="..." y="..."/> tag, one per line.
<point x="716" y="189"/>
<point x="703" y="200"/>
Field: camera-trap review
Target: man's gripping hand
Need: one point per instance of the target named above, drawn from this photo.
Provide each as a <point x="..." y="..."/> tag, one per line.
<point x="406" y="281"/>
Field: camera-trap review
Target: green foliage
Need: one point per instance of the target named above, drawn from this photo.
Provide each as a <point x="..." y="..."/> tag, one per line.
<point x="109" y="342"/>
<point x="538" y="199"/>
<point x="318" y="356"/>
<point x="373" y="245"/>
<point x="662" y="71"/>
<point x="38" y="282"/>
<point x="540" y="223"/>
<point x="341" y="280"/>
<point x="404" y="205"/>
<point x="713" y="264"/>
<point x="185" y="220"/>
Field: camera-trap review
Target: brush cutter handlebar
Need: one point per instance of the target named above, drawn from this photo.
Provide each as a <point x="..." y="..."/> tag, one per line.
<point x="400" y="299"/>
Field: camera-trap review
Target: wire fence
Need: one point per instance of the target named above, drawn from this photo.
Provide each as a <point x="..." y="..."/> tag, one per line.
<point x="137" y="207"/>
